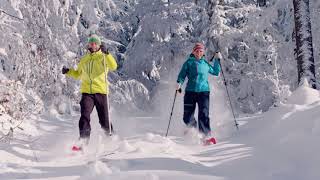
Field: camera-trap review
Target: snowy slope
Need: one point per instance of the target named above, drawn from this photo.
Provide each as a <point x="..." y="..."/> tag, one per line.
<point x="280" y="144"/>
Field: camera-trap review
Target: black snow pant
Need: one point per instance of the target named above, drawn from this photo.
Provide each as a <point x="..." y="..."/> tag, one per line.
<point x="88" y="101"/>
<point x="190" y="101"/>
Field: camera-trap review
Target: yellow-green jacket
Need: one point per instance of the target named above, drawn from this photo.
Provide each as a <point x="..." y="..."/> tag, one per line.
<point x="90" y="71"/>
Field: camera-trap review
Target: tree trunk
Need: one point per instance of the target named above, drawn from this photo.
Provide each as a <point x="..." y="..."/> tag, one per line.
<point x="262" y="3"/>
<point x="304" y="49"/>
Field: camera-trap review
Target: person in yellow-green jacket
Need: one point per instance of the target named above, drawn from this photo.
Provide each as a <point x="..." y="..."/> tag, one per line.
<point x="92" y="70"/>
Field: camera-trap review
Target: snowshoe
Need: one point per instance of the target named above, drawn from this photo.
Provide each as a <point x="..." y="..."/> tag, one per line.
<point x="209" y="141"/>
<point x="79" y="146"/>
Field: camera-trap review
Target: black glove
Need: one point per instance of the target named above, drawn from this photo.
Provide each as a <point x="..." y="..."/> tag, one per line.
<point x="65" y="70"/>
<point x="104" y="48"/>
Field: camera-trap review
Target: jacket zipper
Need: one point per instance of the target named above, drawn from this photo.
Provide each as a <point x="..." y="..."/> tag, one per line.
<point x="90" y="74"/>
<point x="197" y="75"/>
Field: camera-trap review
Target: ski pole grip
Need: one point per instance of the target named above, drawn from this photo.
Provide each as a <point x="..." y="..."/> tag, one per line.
<point x="214" y="57"/>
<point x="211" y="59"/>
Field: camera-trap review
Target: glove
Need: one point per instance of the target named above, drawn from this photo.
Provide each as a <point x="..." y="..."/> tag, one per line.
<point x="178" y="87"/>
<point x="218" y="56"/>
<point x="65" y="70"/>
<point x="104" y="48"/>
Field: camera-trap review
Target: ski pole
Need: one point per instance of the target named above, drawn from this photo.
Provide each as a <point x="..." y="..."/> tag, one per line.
<point x="174" y="100"/>
<point x="108" y="105"/>
<point x="225" y="83"/>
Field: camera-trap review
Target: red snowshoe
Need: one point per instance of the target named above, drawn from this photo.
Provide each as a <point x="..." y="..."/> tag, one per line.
<point x="209" y="141"/>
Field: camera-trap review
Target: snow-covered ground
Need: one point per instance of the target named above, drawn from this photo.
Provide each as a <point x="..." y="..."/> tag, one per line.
<point x="279" y="144"/>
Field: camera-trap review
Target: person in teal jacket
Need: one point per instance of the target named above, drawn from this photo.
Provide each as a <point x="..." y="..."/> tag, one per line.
<point x="197" y="91"/>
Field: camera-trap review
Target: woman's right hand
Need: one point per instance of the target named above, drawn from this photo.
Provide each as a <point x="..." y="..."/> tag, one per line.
<point x="65" y="70"/>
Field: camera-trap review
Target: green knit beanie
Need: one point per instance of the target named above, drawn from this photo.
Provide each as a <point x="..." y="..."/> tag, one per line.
<point x="94" y="38"/>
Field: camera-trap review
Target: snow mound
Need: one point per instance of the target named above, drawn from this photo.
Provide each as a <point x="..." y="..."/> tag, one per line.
<point x="3" y="52"/>
<point x="97" y="170"/>
<point x="126" y="147"/>
<point x="3" y="77"/>
<point x="156" y="138"/>
<point x="304" y="95"/>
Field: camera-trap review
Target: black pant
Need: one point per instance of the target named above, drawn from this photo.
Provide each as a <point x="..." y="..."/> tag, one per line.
<point x="190" y="101"/>
<point x="88" y="101"/>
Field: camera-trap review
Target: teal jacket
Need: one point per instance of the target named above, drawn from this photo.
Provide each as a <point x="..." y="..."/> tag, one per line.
<point x="197" y="72"/>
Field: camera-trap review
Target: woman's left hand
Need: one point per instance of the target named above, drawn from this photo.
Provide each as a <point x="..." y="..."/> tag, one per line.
<point x="218" y="56"/>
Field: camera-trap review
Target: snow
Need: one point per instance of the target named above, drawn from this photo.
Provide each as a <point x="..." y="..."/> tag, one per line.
<point x="3" y="52"/>
<point x="70" y="55"/>
<point x="278" y="144"/>
<point x="279" y="121"/>
<point x="3" y="77"/>
<point x="304" y="95"/>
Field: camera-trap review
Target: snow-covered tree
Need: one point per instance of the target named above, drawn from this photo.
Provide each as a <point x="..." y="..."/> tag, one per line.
<point x="151" y="39"/>
<point x="303" y="38"/>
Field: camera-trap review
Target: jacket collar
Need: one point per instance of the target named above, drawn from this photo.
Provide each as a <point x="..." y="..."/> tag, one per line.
<point x="94" y="53"/>
<point x="192" y="57"/>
